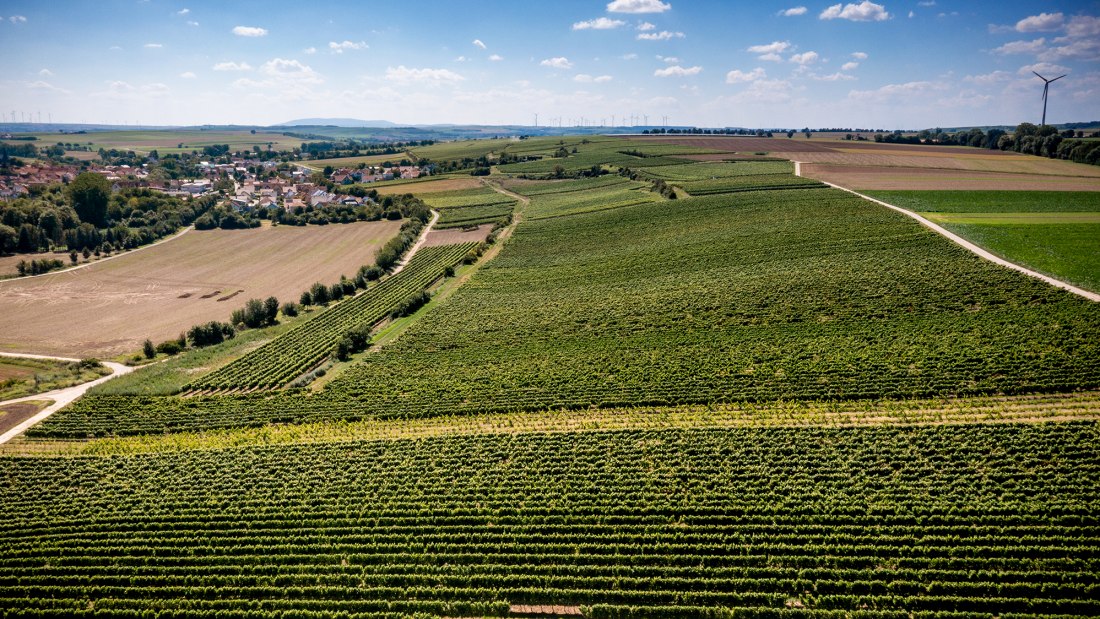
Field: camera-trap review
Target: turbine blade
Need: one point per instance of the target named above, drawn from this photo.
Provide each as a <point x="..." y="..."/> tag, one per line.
<point x="1058" y="78"/>
<point x="1040" y="76"/>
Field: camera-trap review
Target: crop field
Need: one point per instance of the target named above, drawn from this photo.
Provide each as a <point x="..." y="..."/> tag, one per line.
<point x="427" y="185"/>
<point x="445" y="151"/>
<point x="470" y="208"/>
<point x="974" y="521"/>
<point x="168" y="141"/>
<point x="110" y="307"/>
<point x="588" y="196"/>
<point x="1057" y="233"/>
<point x="282" y="359"/>
<point x="352" y="162"/>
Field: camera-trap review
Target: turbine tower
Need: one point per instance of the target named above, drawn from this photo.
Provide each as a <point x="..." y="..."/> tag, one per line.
<point x="1046" y="89"/>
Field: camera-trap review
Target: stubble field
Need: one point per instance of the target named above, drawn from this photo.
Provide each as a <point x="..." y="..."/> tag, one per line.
<point x="109" y="308"/>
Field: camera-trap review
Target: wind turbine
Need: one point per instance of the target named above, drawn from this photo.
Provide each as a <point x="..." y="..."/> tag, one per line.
<point x="1046" y="89"/>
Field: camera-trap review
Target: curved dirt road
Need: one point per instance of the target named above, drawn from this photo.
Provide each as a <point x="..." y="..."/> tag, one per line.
<point x="61" y="397"/>
<point x="417" y="245"/>
<point x="1091" y="296"/>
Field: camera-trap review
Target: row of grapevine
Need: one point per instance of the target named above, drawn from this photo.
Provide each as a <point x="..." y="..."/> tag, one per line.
<point x="926" y="521"/>
<point x="297" y="350"/>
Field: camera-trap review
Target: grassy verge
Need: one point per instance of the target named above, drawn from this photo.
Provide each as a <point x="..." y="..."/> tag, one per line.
<point x="22" y="377"/>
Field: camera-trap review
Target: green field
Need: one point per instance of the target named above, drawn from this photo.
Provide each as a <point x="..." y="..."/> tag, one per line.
<point x="168" y="141"/>
<point x="775" y="401"/>
<point x="1056" y="233"/>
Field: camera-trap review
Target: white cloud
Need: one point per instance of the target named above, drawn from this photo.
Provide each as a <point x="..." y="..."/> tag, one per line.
<point x="737" y="76"/>
<point x="191" y="22"/>
<point x="152" y="46"/>
<point x="637" y="6"/>
<point x="629" y="56"/>
<point x="125" y="91"/>
<point x="834" y="77"/>
<point x="764" y="91"/>
<point x="859" y="55"/>
<point x="677" y="71"/>
<point x="663" y="35"/>
<point x="1044" y="68"/>
<point x="864" y="11"/>
<point x="309" y="50"/>
<point x="249" y="31"/>
<point x="1043" y="22"/>
<point x="771" y="57"/>
<point x="232" y="66"/>
<point x="559" y="62"/>
<point x="584" y="78"/>
<point x="988" y="78"/>
<point x="1087" y="49"/>
<point x="892" y="91"/>
<point x="434" y="77"/>
<point x="600" y="23"/>
<point x="668" y="59"/>
<point x="848" y="66"/>
<point x="1080" y="26"/>
<point x="804" y="58"/>
<point x="183" y="11"/>
<point x="290" y="70"/>
<point x="340" y="48"/>
<point x="479" y="44"/>
<point x="798" y="10"/>
<point x="646" y="26"/>
<point x="188" y="75"/>
<point x="770" y="49"/>
<point x="912" y="14"/>
<point x="462" y="59"/>
<point x="927" y="3"/>
<point x="496" y="57"/>
<point x="1022" y="47"/>
<point x="17" y="19"/>
<point x="46" y="73"/>
<point x="46" y="87"/>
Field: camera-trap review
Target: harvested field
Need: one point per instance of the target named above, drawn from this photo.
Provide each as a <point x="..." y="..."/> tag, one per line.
<point x="351" y="162"/>
<point x="109" y="308"/>
<point x="725" y="157"/>
<point x="8" y="263"/>
<point x="899" y="177"/>
<point x="454" y="236"/>
<point x="739" y="144"/>
<point x="1014" y="164"/>
<point x="922" y="148"/>
<point x="444" y="184"/>
<point x="12" y="415"/>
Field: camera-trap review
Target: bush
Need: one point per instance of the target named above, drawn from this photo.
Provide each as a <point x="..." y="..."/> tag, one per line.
<point x="319" y="294"/>
<point x="170" y="347"/>
<point x="290" y="309"/>
<point x="305" y="299"/>
<point x="210" y="333"/>
<point x="148" y="350"/>
<point x="411" y="304"/>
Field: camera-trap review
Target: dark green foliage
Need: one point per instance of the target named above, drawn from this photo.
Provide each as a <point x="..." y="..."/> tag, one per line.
<point x="412" y="303"/>
<point x="169" y="347"/>
<point x="210" y="333"/>
<point x="318" y="292"/>
<point x="38" y="267"/>
<point x="290" y="308"/>
<point x="148" y="350"/>
<point x="922" y="522"/>
<point x="89" y="193"/>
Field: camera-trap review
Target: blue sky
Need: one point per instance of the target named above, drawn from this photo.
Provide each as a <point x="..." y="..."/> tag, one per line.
<point x="891" y="64"/>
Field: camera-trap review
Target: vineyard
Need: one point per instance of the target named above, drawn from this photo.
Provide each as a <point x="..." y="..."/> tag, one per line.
<point x="971" y="521"/>
<point x="675" y="390"/>
<point x="282" y="359"/>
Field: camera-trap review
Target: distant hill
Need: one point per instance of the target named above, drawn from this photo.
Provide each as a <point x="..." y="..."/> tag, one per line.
<point x="337" y="122"/>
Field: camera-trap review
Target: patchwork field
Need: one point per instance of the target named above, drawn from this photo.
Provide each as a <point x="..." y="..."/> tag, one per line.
<point x="774" y="401"/>
<point x="169" y="141"/>
<point x="1056" y="233"/>
<point x="109" y="308"/>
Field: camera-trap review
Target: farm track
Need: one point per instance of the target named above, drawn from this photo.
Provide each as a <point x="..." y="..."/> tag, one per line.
<point x="60" y="397"/>
<point x="958" y="240"/>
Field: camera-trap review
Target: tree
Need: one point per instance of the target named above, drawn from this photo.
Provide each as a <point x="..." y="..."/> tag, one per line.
<point x="148" y="349"/>
<point x="271" y="309"/>
<point x="9" y="239"/>
<point x="89" y="194"/>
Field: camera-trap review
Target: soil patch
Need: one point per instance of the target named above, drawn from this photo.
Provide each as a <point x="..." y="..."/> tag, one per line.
<point x="12" y="415"/>
<point x="453" y="236"/>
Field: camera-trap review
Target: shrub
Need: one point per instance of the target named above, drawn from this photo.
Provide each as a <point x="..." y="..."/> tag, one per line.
<point x="148" y="350"/>
<point x="170" y="347"/>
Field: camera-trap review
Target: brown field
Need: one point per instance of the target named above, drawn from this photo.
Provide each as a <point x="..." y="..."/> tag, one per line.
<point x="8" y="263"/>
<point x="897" y="177"/>
<point x="921" y="148"/>
<point x="351" y="162"/>
<point x="444" y="184"/>
<point x="739" y="144"/>
<point x="109" y="308"/>
<point x="12" y="415"/>
<point x="453" y="236"/>
<point x="1017" y="164"/>
<point x="12" y="370"/>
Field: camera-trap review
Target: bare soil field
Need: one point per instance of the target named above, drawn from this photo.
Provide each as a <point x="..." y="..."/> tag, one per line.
<point x="8" y="264"/>
<point x="108" y="309"/>
<point x="452" y="236"/>
<point x="921" y="148"/>
<point x="444" y="184"/>
<point x="738" y="143"/>
<point x="12" y="415"/>
<point x="900" y="177"/>
<point x="729" y="157"/>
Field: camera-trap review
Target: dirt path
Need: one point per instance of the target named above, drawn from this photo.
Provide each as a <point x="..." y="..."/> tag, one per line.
<point x="417" y="245"/>
<point x="1091" y="296"/>
<point x="60" y="397"/>
<point x="102" y="260"/>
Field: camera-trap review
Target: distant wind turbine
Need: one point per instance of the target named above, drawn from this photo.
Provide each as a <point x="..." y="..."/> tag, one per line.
<point x="1046" y="89"/>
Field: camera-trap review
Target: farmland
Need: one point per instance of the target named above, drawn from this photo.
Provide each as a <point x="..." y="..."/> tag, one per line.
<point x="157" y="292"/>
<point x="168" y="141"/>
<point x="749" y="396"/>
<point x="1057" y="233"/>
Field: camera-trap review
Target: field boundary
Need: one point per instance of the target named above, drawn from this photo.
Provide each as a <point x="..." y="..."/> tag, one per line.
<point x="958" y="240"/>
<point x="100" y="261"/>
<point x="61" y="397"/>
